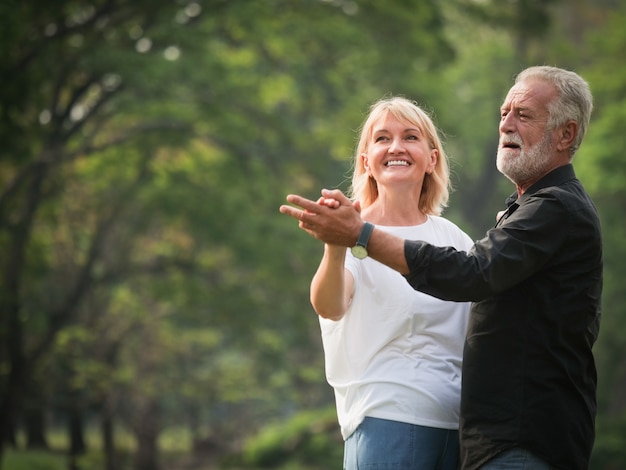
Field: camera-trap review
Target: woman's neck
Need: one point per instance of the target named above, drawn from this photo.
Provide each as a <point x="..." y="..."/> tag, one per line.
<point x="395" y="209"/>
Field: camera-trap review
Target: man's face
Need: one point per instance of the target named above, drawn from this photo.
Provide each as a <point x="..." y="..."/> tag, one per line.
<point x="526" y="148"/>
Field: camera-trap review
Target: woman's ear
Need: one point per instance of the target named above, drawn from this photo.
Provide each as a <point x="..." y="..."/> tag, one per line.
<point x="434" y="156"/>
<point x="366" y="164"/>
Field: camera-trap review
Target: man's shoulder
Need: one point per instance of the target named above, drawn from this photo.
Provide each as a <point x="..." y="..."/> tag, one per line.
<point x="570" y="193"/>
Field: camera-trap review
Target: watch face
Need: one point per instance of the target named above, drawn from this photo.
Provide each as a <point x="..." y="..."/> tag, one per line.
<point x="359" y="251"/>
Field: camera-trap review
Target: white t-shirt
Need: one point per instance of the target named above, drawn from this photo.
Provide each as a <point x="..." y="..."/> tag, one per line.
<point x="396" y="353"/>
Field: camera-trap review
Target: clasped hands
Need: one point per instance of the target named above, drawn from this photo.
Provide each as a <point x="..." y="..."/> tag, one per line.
<point x="333" y="218"/>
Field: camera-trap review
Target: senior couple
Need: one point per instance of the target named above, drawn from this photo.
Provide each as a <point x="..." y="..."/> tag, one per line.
<point x="449" y="353"/>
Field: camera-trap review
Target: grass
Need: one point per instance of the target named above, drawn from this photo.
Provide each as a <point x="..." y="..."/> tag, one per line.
<point x="33" y="460"/>
<point x="173" y="444"/>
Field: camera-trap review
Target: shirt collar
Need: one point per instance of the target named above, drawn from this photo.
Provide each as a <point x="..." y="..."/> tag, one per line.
<point x="554" y="178"/>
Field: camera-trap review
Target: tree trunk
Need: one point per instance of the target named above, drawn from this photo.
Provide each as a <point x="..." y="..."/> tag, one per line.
<point x="11" y="330"/>
<point x="108" y="443"/>
<point x="76" y="429"/>
<point x="33" y="411"/>
<point x="35" y="424"/>
<point x="147" y="431"/>
<point x="10" y="434"/>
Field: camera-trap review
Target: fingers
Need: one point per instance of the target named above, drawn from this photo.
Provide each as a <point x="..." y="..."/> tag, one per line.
<point x="302" y="215"/>
<point x="332" y="203"/>
<point x="307" y="209"/>
<point x="337" y="195"/>
<point x="304" y="203"/>
<point x="292" y="211"/>
<point x="331" y="218"/>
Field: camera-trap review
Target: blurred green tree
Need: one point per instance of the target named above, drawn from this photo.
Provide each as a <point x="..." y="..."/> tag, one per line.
<point x="145" y="273"/>
<point x="146" y="148"/>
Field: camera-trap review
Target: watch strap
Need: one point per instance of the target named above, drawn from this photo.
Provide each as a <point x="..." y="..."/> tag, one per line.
<point x="366" y="233"/>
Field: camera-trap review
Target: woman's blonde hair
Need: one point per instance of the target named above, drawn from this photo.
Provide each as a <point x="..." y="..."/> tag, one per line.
<point x="435" y="190"/>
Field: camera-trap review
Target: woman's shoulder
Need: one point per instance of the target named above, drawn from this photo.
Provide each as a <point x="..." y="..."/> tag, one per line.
<point x="444" y="222"/>
<point x="457" y="234"/>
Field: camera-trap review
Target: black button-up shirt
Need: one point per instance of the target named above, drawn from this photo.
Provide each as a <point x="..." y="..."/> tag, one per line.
<point x="529" y="377"/>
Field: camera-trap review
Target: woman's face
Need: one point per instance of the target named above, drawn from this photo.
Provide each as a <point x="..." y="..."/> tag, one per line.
<point x="398" y="153"/>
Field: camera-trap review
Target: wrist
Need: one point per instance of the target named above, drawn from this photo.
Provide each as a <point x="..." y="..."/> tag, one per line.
<point x="359" y="250"/>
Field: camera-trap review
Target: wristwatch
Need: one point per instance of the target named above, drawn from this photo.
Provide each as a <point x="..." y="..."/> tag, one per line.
<point x="359" y="250"/>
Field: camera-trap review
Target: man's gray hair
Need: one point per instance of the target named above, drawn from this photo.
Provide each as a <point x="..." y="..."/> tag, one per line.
<point x="574" y="101"/>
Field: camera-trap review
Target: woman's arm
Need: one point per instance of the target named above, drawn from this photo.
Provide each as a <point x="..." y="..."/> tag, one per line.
<point x="332" y="285"/>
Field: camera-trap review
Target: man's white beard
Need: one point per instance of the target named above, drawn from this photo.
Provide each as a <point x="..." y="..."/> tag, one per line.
<point x="529" y="164"/>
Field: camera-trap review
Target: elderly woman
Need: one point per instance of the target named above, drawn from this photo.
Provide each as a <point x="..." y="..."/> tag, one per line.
<point x="393" y="355"/>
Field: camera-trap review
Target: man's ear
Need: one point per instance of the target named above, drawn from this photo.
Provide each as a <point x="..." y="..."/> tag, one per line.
<point x="568" y="133"/>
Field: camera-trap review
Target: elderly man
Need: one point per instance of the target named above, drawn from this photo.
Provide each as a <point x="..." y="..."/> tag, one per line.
<point x="535" y="280"/>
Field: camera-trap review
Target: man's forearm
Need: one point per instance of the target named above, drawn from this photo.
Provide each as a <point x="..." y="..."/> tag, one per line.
<point x="388" y="250"/>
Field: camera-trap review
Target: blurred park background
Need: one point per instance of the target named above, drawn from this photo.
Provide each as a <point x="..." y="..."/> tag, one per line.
<point x="154" y="303"/>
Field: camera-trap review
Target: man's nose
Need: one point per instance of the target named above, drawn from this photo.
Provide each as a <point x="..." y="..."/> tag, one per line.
<point x="507" y="123"/>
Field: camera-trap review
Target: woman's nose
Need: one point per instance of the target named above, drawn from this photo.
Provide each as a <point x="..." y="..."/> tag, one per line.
<point x="396" y="146"/>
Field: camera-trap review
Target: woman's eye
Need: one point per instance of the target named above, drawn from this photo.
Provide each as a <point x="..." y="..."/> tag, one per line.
<point x="380" y="138"/>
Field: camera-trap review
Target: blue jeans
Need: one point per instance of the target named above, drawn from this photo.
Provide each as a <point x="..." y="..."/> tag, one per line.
<point x="516" y="459"/>
<point x="381" y="444"/>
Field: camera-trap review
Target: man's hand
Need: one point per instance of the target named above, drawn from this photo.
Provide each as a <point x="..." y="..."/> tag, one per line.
<point x="333" y="219"/>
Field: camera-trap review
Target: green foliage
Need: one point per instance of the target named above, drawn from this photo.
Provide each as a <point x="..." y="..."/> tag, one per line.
<point x="609" y="450"/>
<point x="154" y="141"/>
<point x="307" y="440"/>
<point x="34" y="460"/>
<point x="600" y="167"/>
